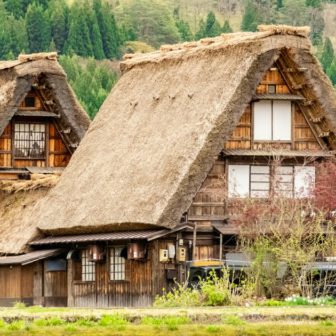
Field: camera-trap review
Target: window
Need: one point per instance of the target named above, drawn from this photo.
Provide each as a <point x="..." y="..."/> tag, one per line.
<point x="272" y="120"/>
<point x="56" y="265"/>
<point x="88" y="268"/>
<point x="30" y="102"/>
<point x="271" y="89"/>
<point x="255" y="181"/>
<point x="29" y="140"/>
<point x="117" y="264"/>
<point x="260" y="181"/>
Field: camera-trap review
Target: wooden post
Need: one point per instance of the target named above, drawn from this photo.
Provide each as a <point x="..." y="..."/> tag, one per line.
<point x="38" y="284"/>
<point x="220" y="248"/>
<point x="194" y="244"/>
<point x="156" y="269"/>
<point x="70" y="280"/>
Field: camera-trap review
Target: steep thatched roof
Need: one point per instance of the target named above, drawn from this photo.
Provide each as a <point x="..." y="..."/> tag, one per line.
<point x="17" y="78"/>
<point x="159" y="132"/>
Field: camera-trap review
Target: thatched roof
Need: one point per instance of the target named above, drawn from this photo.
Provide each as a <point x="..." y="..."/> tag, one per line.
<point x="17" y="78"/>
<point x="159" y="132"/>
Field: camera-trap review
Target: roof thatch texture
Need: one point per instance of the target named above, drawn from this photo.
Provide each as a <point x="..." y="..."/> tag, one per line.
<point x="161" y="129"/>
<point x="17" y="78"/>
<point x="18" y="227"/>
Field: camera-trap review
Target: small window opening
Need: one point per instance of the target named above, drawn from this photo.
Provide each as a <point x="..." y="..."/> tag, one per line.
<point x="271" y="89"/>
<point x="30" y="102"/>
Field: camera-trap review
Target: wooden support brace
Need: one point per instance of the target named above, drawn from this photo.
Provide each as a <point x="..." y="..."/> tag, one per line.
<point x="307" y="102"/>
<point x="316" y="120"/>
<point x="220" y="249"/>
<point x="288" y="70"/>
<point x="298" y="86"/>
<point x="324" y="134"/>
<point x="194" y="244"/>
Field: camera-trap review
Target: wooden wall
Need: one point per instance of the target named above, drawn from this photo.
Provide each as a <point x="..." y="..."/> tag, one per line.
<point x="59" y="155"/>
<point x="16" y="284"/>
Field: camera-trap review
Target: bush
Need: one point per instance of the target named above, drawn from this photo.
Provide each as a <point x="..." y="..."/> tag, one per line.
<point x="233" y="320"/>
<point x="70" y="327"/>
<point x="213" y="329"/>
<point x="16" y="325"/>
<point x="327" y="323"/>
<point x="54" y="321"/>
<point x="19" y="305"/>
<point x="85" y="323"/>
<point x="2" y="323"/>
<point x="112" y="321"/>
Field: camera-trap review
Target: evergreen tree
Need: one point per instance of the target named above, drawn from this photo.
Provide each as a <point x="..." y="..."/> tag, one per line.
<point x="279" y="4"/>
<point x="327" y="55"/>
<point x="95" y="35"/>
<point x="209" y="22"/>
<point x="10" y="56"/>
<point x="202" y="30"/>
<point x="46" y="31"/>
<point x="58" y="28"/>
<point x="331" y="72"/>
<point x="78" y="41"/>
<point x="15" y="7"/>
<point x="52" y="46"/>
<point x="226" y="29"/>
<point x="314" y="3"/>
<point x="35" y="23"/>
<point x="184" y="30"/>
<point x="250" y="19"/>
<point x="294" y="12"/>
<point x="22" y="35"/>
<point x="215" y="30"/>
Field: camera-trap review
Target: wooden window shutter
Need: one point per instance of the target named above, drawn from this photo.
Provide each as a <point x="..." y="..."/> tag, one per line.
<point x="78" y="270"/>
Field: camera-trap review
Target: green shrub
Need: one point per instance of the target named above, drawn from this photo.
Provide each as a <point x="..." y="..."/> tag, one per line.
<point x="70" y="327"/>
<point x="2" y="323"/>
<point x="19" y="305"/>
<point x="327" y="323"/>
<point x="54" y="321"/>
<point x="42" y="322"/>
<point x="213" y="329"/>
<point x="112" y="320"/>
<point x="85" y="323"/>
<point x="17" y="325"/>
<point x="172" y="327"/>
<point x="233" y="320"/>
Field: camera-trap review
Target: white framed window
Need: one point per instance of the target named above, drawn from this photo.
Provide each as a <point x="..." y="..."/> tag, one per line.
<point x="117" y="264"/>
<point x="239" y="180"/>
<point x="255" y="181"/>
<point x="273" y="120"/>
<point x="88" y="268"/>
<point x="260" y="181"/>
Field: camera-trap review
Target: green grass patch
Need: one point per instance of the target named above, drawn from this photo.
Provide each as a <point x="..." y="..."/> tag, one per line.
<point x="112" y="321"/>
<point x="233" y="320"/>
<point x="212" y="329"/>
<point x="327" y="323"/>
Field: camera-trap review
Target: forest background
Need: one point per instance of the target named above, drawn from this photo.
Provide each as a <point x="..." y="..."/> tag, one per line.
<point x="91" y="36"/>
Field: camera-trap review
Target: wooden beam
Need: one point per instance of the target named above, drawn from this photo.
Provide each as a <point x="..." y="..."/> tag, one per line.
<point x="194" y="243"/>
<point x="220" y="248"/>
<point x="70" y="282"/>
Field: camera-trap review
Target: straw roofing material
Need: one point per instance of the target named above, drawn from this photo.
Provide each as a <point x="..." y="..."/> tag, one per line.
<point x="161" y="129"/>
<point x="17" y="78"/>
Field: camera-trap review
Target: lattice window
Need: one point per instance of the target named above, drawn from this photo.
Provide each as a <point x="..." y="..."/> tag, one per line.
<point x="117" y="264"/>
<point x="88" y="268"/>
<point x="30" y="140"/>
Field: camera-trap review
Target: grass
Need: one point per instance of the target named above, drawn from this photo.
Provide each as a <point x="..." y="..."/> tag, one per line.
<point x="248" y="329"/>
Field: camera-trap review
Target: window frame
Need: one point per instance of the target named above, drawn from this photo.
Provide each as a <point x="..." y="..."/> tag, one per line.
<point x="18" y="122"/>
<point x="272" y="176"/>
<point x="253" y="139"/>
<point x="85" y="267"/>
<point x="112" y="273"/>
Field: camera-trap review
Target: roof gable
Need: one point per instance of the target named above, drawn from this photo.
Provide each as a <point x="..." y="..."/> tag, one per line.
<point x="159" y="132"/>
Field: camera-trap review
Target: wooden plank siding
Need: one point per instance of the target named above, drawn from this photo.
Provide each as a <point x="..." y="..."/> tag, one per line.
<point x="59" y="155"/>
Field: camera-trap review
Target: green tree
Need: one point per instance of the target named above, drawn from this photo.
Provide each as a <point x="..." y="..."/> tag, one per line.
<point x="227" y="28"/>
<point x="58" y="28"/>
<point x="52" y="46"/>
<point x="331" y="72"/>
<point x="250" y="18"/>
<point x="202" y="30"/>
<point x="15" y="7"/>
<point x="151" y="20"/>
<point x="314" y="3"/>
<point x="10" y="56"/>
<point x="209" y="22"/>
<point x="38" y="28"/>
<point x="294" y="12"/>
<point x="328" y="54"/>
<point x="184" y="30"/>
<point x="279" y="4"/>
<point x="78" y="41"/>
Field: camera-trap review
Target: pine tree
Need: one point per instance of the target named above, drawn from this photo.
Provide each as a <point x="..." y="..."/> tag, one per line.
<point x="184" y="30"/>
<point x="22" y="35"/>
<point x="209" y="22"/>
<point x="10" y="56"/>
<point x="226" y="29"/>
<point x="328" y="54"/>
<point x="250" y="20"/>
<point x="95" y="36"/>
<point x="279" y="4"/>
<point x="314" y="3"/>
<point x="14" y="45"/>
<point x="331" y="72"/>
<point x="15" y="7"/>
<point x="34" y="22"/>
<point x="294" y="12"/>
<point x="78" y="41"/>
<point x="58" y="28"/>
<point x="52" y="46"/>
<point x="201" y="32"/>
<point x="46" y="31"/>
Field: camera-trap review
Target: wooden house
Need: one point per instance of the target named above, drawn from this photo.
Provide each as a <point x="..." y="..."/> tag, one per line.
<point x="41" y="125"/>
<point x="129" y="210"/>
